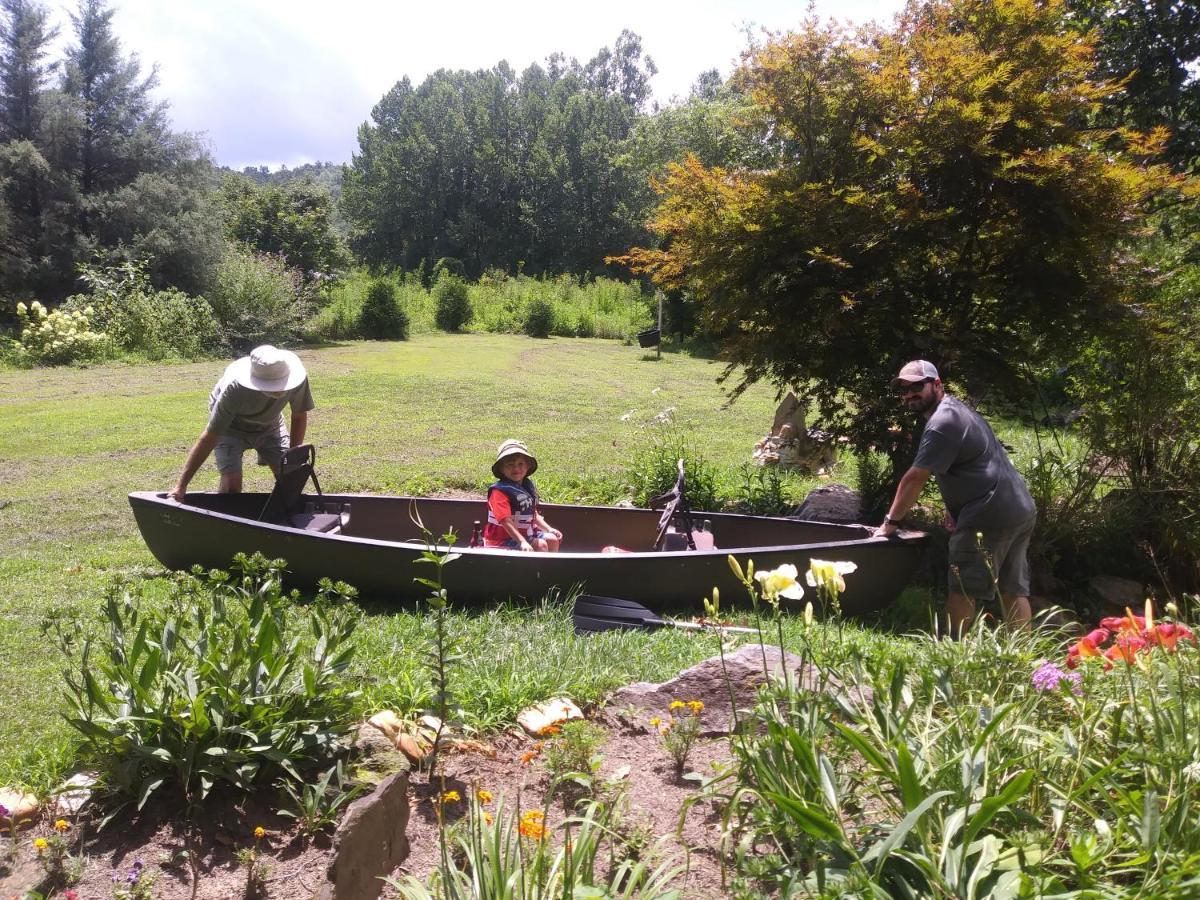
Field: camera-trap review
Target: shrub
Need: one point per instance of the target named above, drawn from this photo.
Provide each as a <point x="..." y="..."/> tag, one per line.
<point x="55" y="338"/>
<point x="141" y="320"/>
<point x="539" y="319"/>
<point x="258" y="299"/>
<point x="452" y="302"/>
<point x="652" y="471"/>
<point x="381" y="317"/>
<point x="211" y="689"/>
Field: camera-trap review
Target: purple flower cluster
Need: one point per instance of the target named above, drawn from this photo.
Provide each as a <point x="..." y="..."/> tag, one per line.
<point x="1048" y="677"/>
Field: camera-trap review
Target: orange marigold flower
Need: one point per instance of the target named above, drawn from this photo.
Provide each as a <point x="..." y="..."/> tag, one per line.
<point x="677" y="704"/>
<point x="61" y="825"/>
<point x="528" y="756"/>
<point x="531" y="825"/>
<point x="696" y="706"/>
<point x="40" y="844"/>
<point x="550" y="730"/>
<point x="259" y="832"/>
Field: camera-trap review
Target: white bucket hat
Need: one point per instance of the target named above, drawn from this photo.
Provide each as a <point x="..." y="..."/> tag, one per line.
<point x="268" y="368"/>
<point x="511" y="447"/>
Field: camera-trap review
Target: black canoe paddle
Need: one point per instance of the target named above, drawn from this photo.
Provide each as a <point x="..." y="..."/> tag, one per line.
<point x="594" y="613"/>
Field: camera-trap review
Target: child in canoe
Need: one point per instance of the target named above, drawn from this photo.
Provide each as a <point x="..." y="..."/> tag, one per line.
<point x="514" y="520"/>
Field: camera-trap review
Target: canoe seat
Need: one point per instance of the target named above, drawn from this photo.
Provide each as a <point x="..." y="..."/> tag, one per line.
<point x="287" y="506"/>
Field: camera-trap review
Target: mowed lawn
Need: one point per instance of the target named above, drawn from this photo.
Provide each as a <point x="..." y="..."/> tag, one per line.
<point x="419" y="415"/>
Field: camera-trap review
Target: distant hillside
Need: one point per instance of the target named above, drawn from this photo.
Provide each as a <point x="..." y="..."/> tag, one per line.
<point x="327" y="174"/>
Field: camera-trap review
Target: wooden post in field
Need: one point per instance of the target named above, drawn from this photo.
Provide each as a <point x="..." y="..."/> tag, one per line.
<point x="658" y="349"/>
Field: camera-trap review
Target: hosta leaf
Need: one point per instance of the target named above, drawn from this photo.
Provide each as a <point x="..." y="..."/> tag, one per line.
<point x="148" y="787"/>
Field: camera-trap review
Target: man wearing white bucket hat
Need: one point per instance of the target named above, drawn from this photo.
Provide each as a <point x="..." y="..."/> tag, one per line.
<point x="245" y="412"/>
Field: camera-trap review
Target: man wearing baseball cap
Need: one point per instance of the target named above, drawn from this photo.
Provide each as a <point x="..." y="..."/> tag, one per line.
<point x="989" y="510"/>
<point x="245" y="412"/>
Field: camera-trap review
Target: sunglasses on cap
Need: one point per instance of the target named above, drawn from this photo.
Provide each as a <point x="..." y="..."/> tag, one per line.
<point x="913" y="387"/>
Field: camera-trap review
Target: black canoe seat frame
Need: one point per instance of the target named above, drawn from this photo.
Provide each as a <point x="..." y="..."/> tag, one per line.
<point x="287" y="506"/>
<point x="674" y="504"/>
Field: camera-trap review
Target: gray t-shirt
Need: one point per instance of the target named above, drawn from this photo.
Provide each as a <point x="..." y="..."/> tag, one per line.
<point x="236" y="409"/>
<point x="980" y="486"/>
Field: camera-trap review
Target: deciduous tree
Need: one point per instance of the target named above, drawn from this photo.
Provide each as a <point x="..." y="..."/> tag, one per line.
<point x="932" y="193"/>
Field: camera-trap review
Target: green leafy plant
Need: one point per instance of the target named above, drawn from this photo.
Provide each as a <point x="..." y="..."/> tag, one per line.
<point x="452" y="302"/>
<point x="510" y="854"/>
<point x="680" y="731"/>
<point x="652" y="470"/>
<point x="763" y="491"/>
<point x="539" y="318"/>
<point x="257" y="871"/>
<point x="317" y="805"/>
<point x="258" y="299"/>
<point x="382" y="318"/>
<point x="138" y="319"/>
<point x="572" y="758"/>
<point x="211" y="689"/>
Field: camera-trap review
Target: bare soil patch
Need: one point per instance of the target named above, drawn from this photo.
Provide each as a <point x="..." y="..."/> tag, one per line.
<point x="296" y="866"/>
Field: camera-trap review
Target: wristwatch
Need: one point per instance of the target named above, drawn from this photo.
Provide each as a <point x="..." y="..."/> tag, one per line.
<point x="888" y="520"/>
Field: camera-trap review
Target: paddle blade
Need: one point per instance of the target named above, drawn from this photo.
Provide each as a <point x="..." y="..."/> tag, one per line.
<point x="594" y="613"/>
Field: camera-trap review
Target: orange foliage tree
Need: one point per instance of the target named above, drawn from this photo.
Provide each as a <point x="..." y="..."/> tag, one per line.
<point x="934" y="191"/>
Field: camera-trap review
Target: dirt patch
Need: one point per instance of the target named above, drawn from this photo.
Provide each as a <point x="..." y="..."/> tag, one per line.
<point x="296" y="865"/>
<point x="655" y="799"/>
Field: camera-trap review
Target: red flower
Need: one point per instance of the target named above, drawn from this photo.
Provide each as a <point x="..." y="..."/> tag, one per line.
<point x="1166" y="634"/>
<point x="1126" y="647"/>
<point x="1126" y="624"/>
<point x="1086" y="646"/>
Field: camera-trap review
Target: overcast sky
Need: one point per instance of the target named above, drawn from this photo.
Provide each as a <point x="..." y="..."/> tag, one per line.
<point x="274" y="82"/>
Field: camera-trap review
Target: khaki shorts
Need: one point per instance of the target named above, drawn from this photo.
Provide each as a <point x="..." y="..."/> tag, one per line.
<point x="998" y="561"/>
<point x="269" y="445"/>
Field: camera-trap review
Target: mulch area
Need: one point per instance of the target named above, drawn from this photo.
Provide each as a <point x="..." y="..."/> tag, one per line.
<point x="296" y="865"/>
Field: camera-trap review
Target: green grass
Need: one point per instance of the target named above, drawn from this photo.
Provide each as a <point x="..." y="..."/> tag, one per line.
<point x="423" y="414"/>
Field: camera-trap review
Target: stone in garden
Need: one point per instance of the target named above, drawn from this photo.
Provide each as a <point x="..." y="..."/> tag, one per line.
<point x="377" y="757"/>
<point x="1117" y="593"/>
<point x="22" y="807"/>
<point x="74" y="793"/>
<point x="23" y="878"/>
<point x="387" y="722"/>
<point x="537" y="719"/>
<point x="706" y="682"/>
<point x="369" y="842"/>
<point x="831" y="503"/>
<point x="416" y="749"/>
<point x="789" y="412"/>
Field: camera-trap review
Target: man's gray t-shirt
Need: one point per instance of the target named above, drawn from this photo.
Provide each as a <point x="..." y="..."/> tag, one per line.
<point x="980" y="486"/>
<point x="236" y="409"/>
